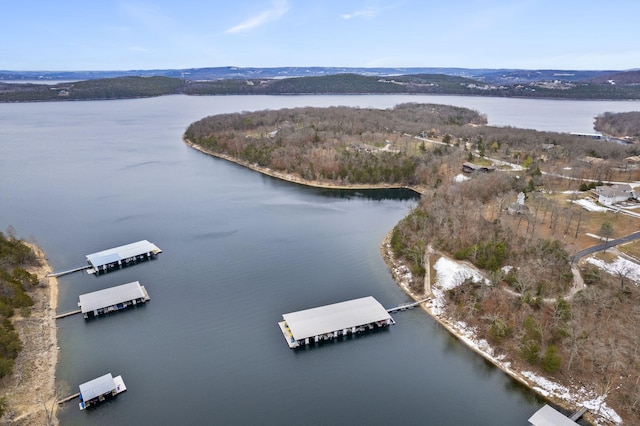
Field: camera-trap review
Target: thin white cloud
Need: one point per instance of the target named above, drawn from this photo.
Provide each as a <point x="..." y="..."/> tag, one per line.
<point x="147" y="15"/>
<point x="278" y="9"/>
<point x="363" y="13"/>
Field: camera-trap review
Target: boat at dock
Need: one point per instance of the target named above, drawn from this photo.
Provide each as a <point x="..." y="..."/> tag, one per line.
<point x="332" y="321"/>
<point x="100" y="389"/>
<point x="112" y="299"/>
<point x="122" y="256"/>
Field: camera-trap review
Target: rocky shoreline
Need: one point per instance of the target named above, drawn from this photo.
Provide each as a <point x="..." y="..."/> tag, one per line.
<point x="31" y="389"/>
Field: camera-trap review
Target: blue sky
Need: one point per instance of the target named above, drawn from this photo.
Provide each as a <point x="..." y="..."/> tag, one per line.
<point x="126" y="35"/>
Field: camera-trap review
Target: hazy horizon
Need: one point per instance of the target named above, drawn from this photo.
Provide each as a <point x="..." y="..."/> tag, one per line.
<point x="161" y="34"/>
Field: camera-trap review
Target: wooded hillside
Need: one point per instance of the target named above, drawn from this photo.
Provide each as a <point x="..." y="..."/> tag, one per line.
<point x="135" y="87"/>
<point x="624" y="125"/>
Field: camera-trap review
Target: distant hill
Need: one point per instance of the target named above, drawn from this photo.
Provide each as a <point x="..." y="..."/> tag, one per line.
<point x="626" y="77"/>
<point x="493" y="76"/>
<point x="126" y="87"/>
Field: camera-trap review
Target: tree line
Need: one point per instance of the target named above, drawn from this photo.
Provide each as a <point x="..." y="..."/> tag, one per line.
<point x="621" y="125"/>
<point x="346" y="145"/>
<point x="339" y="144"/>
<point x="136" y="86"/>
<point x="15" y="284"/>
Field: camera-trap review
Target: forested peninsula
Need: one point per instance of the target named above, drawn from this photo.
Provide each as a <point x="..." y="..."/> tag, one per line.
<point x="542" y="315"/>
<point x="127" y="87"/>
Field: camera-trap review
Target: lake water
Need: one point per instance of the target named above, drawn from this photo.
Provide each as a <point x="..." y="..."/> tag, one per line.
<point x="239" y="250"/>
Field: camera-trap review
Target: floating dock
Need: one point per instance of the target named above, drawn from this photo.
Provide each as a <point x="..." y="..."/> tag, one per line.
<point x="331" y="321"/>
<point x="112" y="299"/>
<point x="100" y="389"/>
<point x="122" y="256"/>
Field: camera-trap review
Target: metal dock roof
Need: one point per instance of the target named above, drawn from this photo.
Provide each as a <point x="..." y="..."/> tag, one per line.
<point x="338" y="316"/>
<point x="127" y="251"/>
<point x="96" y="387"/>
<point x="549" y="416"/>
<point x="112" y="296"/>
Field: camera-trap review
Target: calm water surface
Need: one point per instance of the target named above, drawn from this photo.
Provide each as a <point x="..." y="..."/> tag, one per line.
<point x="240" y="249"/>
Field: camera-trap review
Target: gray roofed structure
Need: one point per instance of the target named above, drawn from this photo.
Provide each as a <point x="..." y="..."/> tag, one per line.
<point x="112" y="296"/>
<point x="121" y="253"/>
<point x="548" y="416"/>
<point x="338" y="316"/>
<point x="96" y="387"/>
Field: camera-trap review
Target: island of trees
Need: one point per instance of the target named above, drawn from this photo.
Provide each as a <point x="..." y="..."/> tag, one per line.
<point x="532" y="311"/>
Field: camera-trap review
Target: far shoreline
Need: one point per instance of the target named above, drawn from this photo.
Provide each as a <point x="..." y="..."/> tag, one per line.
<point x="392" y="264"/>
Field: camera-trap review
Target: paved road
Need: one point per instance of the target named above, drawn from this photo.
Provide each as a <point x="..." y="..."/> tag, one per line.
<point x="611" y="243"/>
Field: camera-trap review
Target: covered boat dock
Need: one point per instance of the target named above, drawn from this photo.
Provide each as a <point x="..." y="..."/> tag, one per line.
<point x="112" y="299"/>
<point x="331" y="321"/>
<point x="118" y="257"/>
<point x="549" y="416"/>
<point x="98" y="390"/>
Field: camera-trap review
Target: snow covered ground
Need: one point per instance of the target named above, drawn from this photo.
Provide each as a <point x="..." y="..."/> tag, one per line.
<point x="619" y="267"/>
<point x="450" y="274"/>
<point x="590" y="205"/>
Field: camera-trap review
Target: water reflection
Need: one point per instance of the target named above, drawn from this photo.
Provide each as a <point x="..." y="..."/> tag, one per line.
<point x="399" y="194"/>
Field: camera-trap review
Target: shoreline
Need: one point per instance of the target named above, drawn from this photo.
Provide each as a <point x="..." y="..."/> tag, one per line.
<point x="394" y="266"/>
<point x="287" y="177"/>
<point x="567" y="396"/>
<point x="31" y="389"/>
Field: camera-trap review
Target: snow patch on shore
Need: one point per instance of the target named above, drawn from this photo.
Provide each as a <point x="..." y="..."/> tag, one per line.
<point x="588" y="399"/>
<point x="450" y="274"/>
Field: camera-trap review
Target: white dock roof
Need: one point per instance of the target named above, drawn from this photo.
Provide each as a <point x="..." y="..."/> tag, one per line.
<point x="90" y="302"/>
<point x="122" y="252"/>
<point x="338" y="316"/>
<point x="96" y="387"/>
<point x="548" y="416"/>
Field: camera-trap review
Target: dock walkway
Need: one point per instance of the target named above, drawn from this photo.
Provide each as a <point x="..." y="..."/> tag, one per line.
<point x="406" y="306"/>
<point x="70" y="271"/>
<point x="69" y="398"/>
<point x="575" y="416"/>
<point x="68" y="314"/>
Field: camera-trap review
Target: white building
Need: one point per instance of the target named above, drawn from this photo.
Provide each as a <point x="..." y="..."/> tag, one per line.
<point x="609" y="195"/>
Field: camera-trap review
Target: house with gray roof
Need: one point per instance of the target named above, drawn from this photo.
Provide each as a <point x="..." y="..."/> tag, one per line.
<point x="612" y="194"/>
